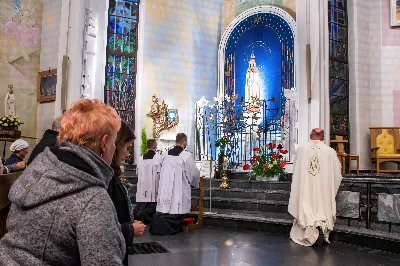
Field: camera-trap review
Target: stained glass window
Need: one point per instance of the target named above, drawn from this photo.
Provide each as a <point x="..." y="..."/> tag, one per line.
<point x="338" y="68"/>
<point x="120" y="87"/>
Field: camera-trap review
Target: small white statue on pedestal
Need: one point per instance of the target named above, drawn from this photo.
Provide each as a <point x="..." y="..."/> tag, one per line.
<point x="10" y="102"/>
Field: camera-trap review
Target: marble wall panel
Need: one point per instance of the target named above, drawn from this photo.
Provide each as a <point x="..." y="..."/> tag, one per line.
<point x="389" y="208"/>
<point x="348" y="204"/>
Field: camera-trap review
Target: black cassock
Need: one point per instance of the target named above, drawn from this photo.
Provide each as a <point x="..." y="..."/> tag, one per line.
<point x="167" y="224"/>
<point x="144" y="211"/>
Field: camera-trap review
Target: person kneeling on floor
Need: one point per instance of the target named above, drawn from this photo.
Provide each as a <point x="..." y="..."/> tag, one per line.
<point x="178" y="174"/>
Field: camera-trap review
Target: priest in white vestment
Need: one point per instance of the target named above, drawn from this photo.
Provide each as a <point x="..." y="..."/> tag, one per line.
<point x="178" y="174"/>
<point x="316" y="180"/>
<point x="148" y="169"/>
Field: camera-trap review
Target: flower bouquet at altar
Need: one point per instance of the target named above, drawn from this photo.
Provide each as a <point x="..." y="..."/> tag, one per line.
<point x="9" y="127"/>
<point x="268" y="162"/>
<point x="222" y="144"/>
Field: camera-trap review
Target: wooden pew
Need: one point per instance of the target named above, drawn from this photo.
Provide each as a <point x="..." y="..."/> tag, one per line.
<point x="6" y="182"/>
<point x="190" y="225"/>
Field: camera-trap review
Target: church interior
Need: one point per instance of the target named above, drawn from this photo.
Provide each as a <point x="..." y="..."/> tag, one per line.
<point x="246" y="81"/>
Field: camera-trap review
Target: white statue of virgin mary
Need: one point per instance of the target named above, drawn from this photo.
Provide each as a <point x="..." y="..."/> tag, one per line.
<point x="10" y="102"/>
<point x="253" y="86"/>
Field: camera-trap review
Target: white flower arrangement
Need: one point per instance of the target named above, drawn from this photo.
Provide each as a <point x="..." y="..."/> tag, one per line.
<point x="10" y="121"/>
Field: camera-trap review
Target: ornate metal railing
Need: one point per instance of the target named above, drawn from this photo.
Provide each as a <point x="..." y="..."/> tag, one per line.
<point x="246" y="125"/>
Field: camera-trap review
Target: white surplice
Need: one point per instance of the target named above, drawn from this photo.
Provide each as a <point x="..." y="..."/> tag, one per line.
<point x="316" y="180"/>
<point x="148" y="178"/>
<point x="178" y="173"/>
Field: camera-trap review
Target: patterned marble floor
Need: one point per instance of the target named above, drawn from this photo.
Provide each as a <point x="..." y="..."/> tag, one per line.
<point x="222" y="247"/>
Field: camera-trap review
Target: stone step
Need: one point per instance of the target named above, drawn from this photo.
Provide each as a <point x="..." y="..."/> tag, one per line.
<point x="262" y="205"/>
<point x="246" y="184"/>
<point x="236" y="176"/>
<point x="254" y="189"/>
<point x="235" y="194"/>
<point x="243" y="204"/>
<point x="285" y="185"/>
<point x="286" y="218"/>
<point x="132" y="179"/>
<point x="252" y="193"/>
<point x="282" y="222"/>
<point x="280" y="195"/>
<point x="261" y="194"/>
<point x="245" y="176"/>
<point x="281" y="218"/>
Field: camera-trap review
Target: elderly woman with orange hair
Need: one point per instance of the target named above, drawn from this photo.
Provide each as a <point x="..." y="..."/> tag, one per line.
<point x="61" y="213"/>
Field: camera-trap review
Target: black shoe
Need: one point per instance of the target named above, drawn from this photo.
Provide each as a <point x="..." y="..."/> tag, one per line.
<point x="320" y="239"/>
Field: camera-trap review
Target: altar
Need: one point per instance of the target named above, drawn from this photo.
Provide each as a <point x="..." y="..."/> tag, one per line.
<point x="257" y="100"/>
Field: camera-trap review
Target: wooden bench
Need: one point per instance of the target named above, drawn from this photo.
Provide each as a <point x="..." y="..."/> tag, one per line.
<point x="190" y="222"/>
<point x="6" y="182"/>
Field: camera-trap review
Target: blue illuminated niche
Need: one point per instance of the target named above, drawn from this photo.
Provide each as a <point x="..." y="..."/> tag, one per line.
<point x="269" y="40"/>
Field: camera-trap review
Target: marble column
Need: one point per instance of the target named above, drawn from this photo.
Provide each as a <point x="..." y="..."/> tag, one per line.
<point x="319" y="45"/>
<point x="71" y="45"/>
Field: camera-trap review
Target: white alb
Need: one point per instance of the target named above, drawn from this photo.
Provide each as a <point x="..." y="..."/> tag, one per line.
<point x="178" y="174"/>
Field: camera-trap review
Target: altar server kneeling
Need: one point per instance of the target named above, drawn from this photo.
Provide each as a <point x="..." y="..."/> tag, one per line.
<point x="148" y="169"/>
<point x="315" y="182"/>
<point x="178" y="174"/>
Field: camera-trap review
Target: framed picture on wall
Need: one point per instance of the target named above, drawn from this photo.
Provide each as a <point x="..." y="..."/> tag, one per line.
<point x="46" y="86"/>
<point x="395" y="12"/>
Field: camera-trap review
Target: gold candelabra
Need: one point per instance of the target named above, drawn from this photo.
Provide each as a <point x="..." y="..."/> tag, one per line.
<point x="224" y="184"/>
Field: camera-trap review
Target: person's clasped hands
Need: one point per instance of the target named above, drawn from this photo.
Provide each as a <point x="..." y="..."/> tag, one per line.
<point x="138" y="228"/>
<point x="21" y="165"/>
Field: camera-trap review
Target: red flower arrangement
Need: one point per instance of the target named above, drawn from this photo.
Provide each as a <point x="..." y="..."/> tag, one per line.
<point x="268" y="162"/>
<point x="271" y="146"/>
<point x="254" y="159"/>
<point x="222" y="142"/>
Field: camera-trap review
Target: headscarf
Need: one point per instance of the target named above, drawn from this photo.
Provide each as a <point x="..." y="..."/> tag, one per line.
<point x="19" y="145"/>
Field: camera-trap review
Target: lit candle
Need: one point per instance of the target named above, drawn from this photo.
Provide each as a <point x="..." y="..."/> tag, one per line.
<point x="225" y="165"/>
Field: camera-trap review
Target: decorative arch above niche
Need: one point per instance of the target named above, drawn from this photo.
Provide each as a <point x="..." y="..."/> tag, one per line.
<point x="263" y="37"/>
<point x="270" y="33"/>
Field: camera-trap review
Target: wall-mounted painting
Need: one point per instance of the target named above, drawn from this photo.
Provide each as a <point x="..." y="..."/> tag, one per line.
<point x="46" y="86"/>
<point x="395" y="12"/>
